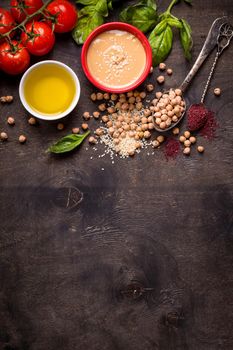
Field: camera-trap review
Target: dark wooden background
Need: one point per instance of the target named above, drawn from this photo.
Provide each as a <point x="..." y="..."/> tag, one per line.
<point x="166" y="224"/>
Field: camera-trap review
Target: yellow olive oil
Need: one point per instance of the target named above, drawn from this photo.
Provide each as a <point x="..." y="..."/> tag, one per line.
<point x="49" y="89"/>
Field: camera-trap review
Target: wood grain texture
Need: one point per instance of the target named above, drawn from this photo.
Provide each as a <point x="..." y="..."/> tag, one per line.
<point x="74" y="238"/>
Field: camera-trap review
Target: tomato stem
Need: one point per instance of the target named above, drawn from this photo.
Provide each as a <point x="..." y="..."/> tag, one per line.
<point x="27" y="19"/>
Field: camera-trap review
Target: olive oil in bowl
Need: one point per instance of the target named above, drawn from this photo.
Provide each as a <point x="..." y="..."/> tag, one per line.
<point x="49" y="90"/>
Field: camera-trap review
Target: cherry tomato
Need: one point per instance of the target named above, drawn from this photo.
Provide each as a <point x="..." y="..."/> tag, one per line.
<point x="6" y="21"/>
<point x="38" y="38"/>
<point x="65" y="15"/>
<point x="14" y="58"/>
<point x="19" y="8"/>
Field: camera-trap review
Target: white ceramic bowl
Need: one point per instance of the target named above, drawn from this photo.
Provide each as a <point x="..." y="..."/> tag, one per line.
<point x="53" y="116"/>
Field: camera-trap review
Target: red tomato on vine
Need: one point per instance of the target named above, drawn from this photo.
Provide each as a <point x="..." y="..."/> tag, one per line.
<point x="14" y="58"/>
<point x="6" y="21"/>
<point x="64" y="15"/>
<point x="21" y="8"/>
<point x="38" y="38"/>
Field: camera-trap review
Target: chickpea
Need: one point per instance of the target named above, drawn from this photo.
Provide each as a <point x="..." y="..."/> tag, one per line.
<point x="164" y="117"/>
<point x="138" y="145"/>
<point x="153" y="109"/>
<point x="200" y="149"/>
<point x="109" y="124"/>
<point x="136" y="93"/>
<point x="123" y="135"/>
<point x="151" y="70"/>
<point x="172" y="94"/>
<point x="102" y="107"/>
<point x="141" y="134"/>
<point x="169" y="107"/>
<point x="84" y="126"/>
<point x="92" y="140"/>
<point x="125" y="106"/>
<point x="217" y="91"/>
<point x="138" y="128"/>
<point x="170" y="114"/>
<point x="60" y="126"/>
<point x="162" y="66"/>
<point x="169" y="71"/>
<point x="187" y="143"/>
<point x="176" y="109"/>
<point x="93" y="96"/>
<point x="111" y="110"/>
<point x="106" y="96"/>
<point x="131" y="107"/>
<point x="139" y="106"/>
<point x="131" y="133"/>
<point x="136" y="118"/>
<point x="150" y="87"/>
<point x="86" y="115"/>
<point x="155" y="144"/>
<point x="122" y="99"/>
<point x="99" y="96"/>
<point x="120" y="118"/>
<point x="105" y="118"/>
<point x="162" y="125"/>
<point x="192" y="139"/>
<point x="32" y="121"/>
<point x="161" y="79"/>
<point x="116" y="141"/>
<point x="131" y="153"/>
<point x="147" y="112"/>
<point x="120" y="130"/>
<point x="114" y="97"/>
<point x="10" y="120"/>
<point x="99" y="132"/>
<point x="75" y="130"/>
<point x="178" y="99"/>
<point x="186" y="151"/>
<point x="187" y="134"/>
<point x="22" y="138"/>
<point x="182" y="139"/>
<point x="118" y="105"/>
<point x="150" y="119"/>
<point x="154" y="101"/>
<point x="158" y="121"/>
<point x="174" y="119"/>
<point x="138" y="99"/>
<point x="150" y="126"/>
<point x="175" y="131"/>
<point x="173" y="102"/>
<point x="158" y="94"/>
<point x="3" y="136"/>
<point x="178" y="92"/>
<point x="147" y="134"/>
<point x="96" y="114"/>
<point x="111" y="130"/>
<point x="126" y="127"/>
<point x="144" y="120"/>
<point x="144" y="127"/>
<point x="132" y="99"/>
<point x="116" y="134"/>
<point x="142" y="94"/>
<point x="130" y="94"/>
<point x="133" y="126"/>
<point x="164" y="111"/>
<point x="160" y="138"/>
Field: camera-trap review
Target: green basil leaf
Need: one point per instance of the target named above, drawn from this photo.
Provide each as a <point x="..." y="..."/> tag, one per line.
<point x="110" y="7"/>
<point x="87" y="2"/>
<point x="186" y="38"/>
<point x="141" y="15"/>
<point x="68" y="143"/>
<point x="85" y="26"/>
<point x="161" y="42"/>
<point x="174" y="22"/>
<point x="100" y="6"/>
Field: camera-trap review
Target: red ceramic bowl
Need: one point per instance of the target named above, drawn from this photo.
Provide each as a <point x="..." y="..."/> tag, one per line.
<point x="120" y="26"/>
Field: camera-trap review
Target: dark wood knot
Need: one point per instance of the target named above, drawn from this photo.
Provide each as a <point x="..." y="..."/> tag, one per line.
<point x="135" y="290"/>
<point x="174" y="319"/>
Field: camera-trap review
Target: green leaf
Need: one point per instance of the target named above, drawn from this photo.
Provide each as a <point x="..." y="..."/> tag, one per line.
<point x="68" y="143"/>
<point x="186" y="38"/>
<point x="85" y="26"/>
<point x="174" y="22"/>
<point x="142" y="15"/>
<point x="110" y="7"/>
<point x="87" y="2"/>
<point x="160" y="40"/>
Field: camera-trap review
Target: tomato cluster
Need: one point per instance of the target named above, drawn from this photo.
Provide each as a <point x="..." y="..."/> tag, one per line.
<point x="22" y="33"/>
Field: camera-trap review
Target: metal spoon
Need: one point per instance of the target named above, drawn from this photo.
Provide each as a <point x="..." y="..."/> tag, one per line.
<point x="220" y="34"/>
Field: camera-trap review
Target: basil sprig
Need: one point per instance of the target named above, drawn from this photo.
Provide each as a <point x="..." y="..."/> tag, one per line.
<point x="142" y="15"/>
<point x="90" y="17"/>
<point x="68" y="143"/>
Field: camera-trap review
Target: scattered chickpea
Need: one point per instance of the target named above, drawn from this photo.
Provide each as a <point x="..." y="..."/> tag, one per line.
<point x="102" y="107"/>
<point x="3" y="136"/>
<point x="75" y="130"/>
<point x="11" y="121"/>
<point x="160" y="138"/>
<point x="162" y="66"/>
<point x="192" y="139"/>
<point x="147" y="134"/>
<point x="142" y="94"/>
<point x="60" y="126"/>
<point x="6" y="99"/>
<point x="200" y="149"/>
<point x="129" y="93"/>
<point x="22" y="138"/>
<point x="96" y="114"/>
<point x="150" y="87"/>
<point x="169" y="71"/>
<point x="99" y="96"/>
<point x="151" y="70"/>
<point x="106" y="96"/>
<point x="155" y="144"/>
<point x="182" y="139"/>
<point x="178" y="92"/>
<point x="186" y="151"/>
<point x="160" y="79"/>
<point x="132" y="99"/>
<point x="176" y="131"/>
<point x="217" y="91"/>
<point x="111" y="110"/>
<point x="131" y="153"/>
<point x="84" y="126"/>
<point x="92" y="140"/>
<point x="150" y="126"/>
<point x="105" y="118"/>
<point x="93" y="96"/>
<point x="158" y="95"/>
<point x="99" y="132"/>
<point x="187" y="134"/>
<point x="114" y="97"/>
<point x="86" y="115"/>
<point x="139" y="106"/>
<point x="187" y="143"/>
<point x="32" y="121"/>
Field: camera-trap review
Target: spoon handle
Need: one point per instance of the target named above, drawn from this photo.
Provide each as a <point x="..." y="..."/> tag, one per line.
<point x="209" y="45"/>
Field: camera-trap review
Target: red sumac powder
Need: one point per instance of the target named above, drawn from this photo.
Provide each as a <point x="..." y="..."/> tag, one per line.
<point x="172" y="148"/>
<point x="209" y="129"/>
<point x="197" y="116"/>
